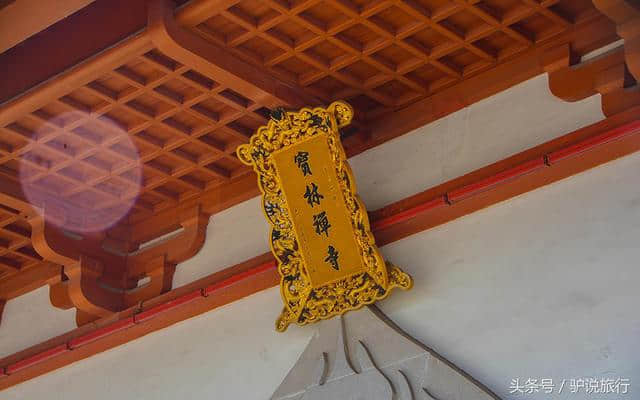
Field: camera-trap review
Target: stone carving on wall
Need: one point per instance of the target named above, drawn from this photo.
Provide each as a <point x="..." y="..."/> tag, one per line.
<point x="364" y="356"/>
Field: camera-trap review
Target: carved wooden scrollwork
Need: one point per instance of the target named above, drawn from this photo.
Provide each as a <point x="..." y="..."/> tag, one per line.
<point x="159" y="262"/>
<point x="614" y="75"/>
<point x="79" y="286"/>
<point x="99" y="282"/>
<point x="607" y="75"/>
<point x="626" y="15"/>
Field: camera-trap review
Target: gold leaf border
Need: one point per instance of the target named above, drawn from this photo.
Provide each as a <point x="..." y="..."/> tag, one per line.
<point x="302" y="303"/>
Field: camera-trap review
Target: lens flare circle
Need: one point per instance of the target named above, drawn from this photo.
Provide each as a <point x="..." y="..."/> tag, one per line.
<point x="83" y="174"/>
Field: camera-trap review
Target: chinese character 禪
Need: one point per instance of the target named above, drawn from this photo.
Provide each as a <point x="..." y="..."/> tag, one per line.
<point x="302" y="161"/>
<point x="321" y="222"/>
<point x="312" y="195"/>
<point x="332" y="258"/>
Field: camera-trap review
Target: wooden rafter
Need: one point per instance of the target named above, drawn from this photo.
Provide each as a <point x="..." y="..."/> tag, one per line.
<point x="103" y="23"/>
<point x="26" y="18"/>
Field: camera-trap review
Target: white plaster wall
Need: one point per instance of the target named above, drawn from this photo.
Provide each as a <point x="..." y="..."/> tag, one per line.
<point x="233" y="236"/>
<point x="490" y="130"/>
<point x="31" y="319"/>
<point x="485" y="132"/>
<point x="543" y="286"/>
<point x="232" y="353"/>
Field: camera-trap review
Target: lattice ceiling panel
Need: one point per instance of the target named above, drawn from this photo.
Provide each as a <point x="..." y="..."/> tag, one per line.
<point x="184" y="127"/>
<point x="16" y="251"/>
<point x="384" y="54"/>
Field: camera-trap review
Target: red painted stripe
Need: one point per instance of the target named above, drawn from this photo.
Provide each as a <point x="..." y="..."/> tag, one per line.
<point x="36" y="358"/>
<point x="100" y="333"/>
<point x="128" y="322"/>
<point x="497" y="179"/>
<point x="239" y="277"/>
<point x="169" y="305"/>
<point x="409" y="213"/>
<point x="591" y="143"/>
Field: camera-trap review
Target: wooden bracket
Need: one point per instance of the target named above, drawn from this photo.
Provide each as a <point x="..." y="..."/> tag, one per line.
<point x="160" y="273"/>
<point x="82" y="289"/>
<point x="84" y="283"/>
<point x="97" y="282"/>
<point x="35" y="277"/>
<point x="605" y="75"/>
<point x="626" y="15"/>
<point x="158" y="262"/>
<point x="556" y="58"/>
<point x="2" y="303"/>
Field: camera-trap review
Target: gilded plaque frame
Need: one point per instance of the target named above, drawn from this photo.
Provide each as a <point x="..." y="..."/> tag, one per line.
<point x="304" y="304"/>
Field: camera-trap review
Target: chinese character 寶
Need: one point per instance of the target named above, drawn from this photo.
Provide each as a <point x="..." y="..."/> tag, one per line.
<point x="302" y="161"/>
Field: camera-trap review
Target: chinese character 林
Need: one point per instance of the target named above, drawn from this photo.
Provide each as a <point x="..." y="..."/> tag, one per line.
<point x="312" y="196"/>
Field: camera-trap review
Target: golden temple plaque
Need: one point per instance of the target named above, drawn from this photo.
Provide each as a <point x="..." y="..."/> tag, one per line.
<point x="320" y="234"/>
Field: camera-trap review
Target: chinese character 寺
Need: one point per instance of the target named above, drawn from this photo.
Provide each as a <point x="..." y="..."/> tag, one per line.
<point x="332" y="258"/>
<point x="302" y="161"/>
<point x="321" y="222"/>
<point x="312" y="195"/>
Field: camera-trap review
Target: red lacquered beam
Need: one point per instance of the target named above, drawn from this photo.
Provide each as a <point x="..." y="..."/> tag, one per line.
<point x="239" y="277"/>
<point x="169" y="305"/>
<point x="409" y="213"/>
<point x="497" y="179"/>
<point x="591" y="143"/>
<point x="37" y="358"/>
<point x="100" y="333"/>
